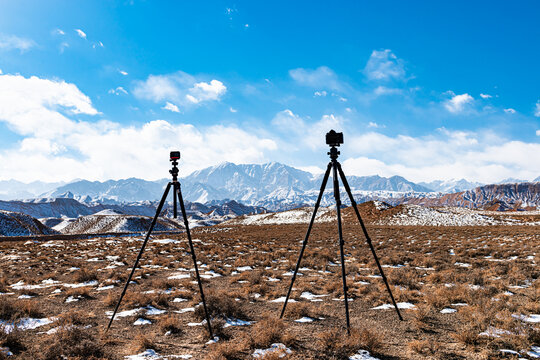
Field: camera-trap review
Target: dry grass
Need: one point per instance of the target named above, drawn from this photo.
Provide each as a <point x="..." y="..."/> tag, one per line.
<point x="73" y="343"/>
<point x="500" y="260"/>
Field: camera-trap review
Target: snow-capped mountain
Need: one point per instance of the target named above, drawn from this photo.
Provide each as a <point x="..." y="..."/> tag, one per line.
<point x="126" y="190"/>
<point x="13" y="189"/>
<point x="450" y="186"/>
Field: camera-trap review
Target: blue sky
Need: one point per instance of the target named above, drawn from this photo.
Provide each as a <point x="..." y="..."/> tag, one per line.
<point x="425" y="90"/>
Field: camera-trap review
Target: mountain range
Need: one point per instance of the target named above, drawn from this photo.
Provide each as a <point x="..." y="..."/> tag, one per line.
<point x="273" y="186"/>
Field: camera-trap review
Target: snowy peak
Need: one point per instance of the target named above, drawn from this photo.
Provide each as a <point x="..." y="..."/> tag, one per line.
<point x="451" y="186"/>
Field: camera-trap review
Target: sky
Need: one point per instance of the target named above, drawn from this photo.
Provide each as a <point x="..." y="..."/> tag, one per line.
<point x="426" y="90"/>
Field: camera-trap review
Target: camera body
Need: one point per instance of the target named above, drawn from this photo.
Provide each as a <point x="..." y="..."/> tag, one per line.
<point x="175" y="155"/>
<point x="334" y="138"/>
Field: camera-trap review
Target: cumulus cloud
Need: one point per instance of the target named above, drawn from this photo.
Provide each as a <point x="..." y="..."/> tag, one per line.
<point x="510" y="111"/>
<point x="123" y="72"/>
<point x="309" y="133"/>
<point x="12" y="42"/>
<point x="180" y="88"/>
<point x="458" y="103"/>
<point x="65" y="147"/>
<point x="537" y="109"/>
<point x="171" y="107"/>
<point x="32" y="105"/>
<point x="81" y="33"/>
<point x="206" y="91"/>
<point x="59" y="32"/>
<point x="478" y="156"/>
<point x="384" y="65"/>
<point x="323" y="77"/>
<point x="485" y="96"/>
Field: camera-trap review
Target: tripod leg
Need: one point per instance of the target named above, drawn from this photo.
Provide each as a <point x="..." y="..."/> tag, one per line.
<point x="321" y="192"/>
<point x="141" y="251"/>
<point x="368" y="239"/>
<point x="175" y="207"/>
<point x="184" y="215"/>
<point x="341" y="243"/>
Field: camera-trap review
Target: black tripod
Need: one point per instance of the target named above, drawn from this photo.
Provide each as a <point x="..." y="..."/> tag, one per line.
<point x="175" y="155"/>
<point x="336" y="167"/>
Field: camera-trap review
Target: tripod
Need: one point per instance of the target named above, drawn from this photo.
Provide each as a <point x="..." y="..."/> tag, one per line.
<point x="335" y="166"/>
<point x="175" y="155"/>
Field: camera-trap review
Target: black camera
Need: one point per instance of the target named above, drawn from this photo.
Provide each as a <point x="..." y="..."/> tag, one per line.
<point x="334" y="138"/>
<point x="175" y="155"/>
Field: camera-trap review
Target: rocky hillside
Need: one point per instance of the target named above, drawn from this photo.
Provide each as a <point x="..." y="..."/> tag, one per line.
<point x="521" y="196"/>
<point x="17" y="224"/>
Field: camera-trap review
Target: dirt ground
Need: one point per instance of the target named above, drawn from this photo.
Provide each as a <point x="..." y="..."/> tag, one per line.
<point x="483" y="279"/>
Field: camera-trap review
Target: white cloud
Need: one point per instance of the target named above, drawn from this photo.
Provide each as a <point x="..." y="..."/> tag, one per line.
<point x="384" y="65"/>
<point x="63" y="46"/>
<point x="123" y="72"/>
<point x="310" y="134"/>
<point x="322" y="77"/>
<point x="383" y="90"/>
<point x="320" y="93"/>
<point x="206" y="91"/>
<point x="38" y="106"/>
<point x="537" y="132"/>
<point x="485" y="96"/>
<point x="12" y="42"/>
<point x="233" y="110"/>
<point x="374" y="125"/>
<point x="81" y="33"/>
<point x="59" y="32"/>
<point x="510" y="111"/>
<point x="458" y="103"/>
<point x="180" y="88"/>
<point x="119" y="90"/>
<point x="64" y="148"/>
<point x="537" y="109"/>
<point x="477" y="156"/>
<point x="1" y="72"/>
<point x="171" y="107"/>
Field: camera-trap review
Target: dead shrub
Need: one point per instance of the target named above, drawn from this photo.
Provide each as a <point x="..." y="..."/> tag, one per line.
<point x="229" y="350"/>
<point x="336" y="344"/>
<point x="85" y="275"/>
<point x="424" y="347"/>
<point x="12" y="340"/>
<point x="143" y="341"/>
<point x="171" y="324"/>
<point x="72" y="342"/>
<point x="221" y="305"/>
<point x="269" y="331"/>
<point x="300" y="309"/>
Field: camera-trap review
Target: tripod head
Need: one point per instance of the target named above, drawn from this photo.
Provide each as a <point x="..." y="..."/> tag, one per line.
<point x="334" y="139"/>
<point x="175" y="156"/>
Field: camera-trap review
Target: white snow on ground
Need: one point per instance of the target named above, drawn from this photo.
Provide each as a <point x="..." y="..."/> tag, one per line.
<point x="401" y="305"/>
<point x="141" y="321"/>
<point x="305" y="319"/>
<point x="296" y="216"/>
<point x="533" y="318"/>
<point x="362" y="355"/>
<point x="26" y="324"/>
<point x="448" y="311"/>
<point x="279" y="349"/>
<point x="311" y="297"/>
<point x="416" y="215"/>
<point x="150" y="310"/>
<point x="236" y="322"/>
<point x="282" y="300"/>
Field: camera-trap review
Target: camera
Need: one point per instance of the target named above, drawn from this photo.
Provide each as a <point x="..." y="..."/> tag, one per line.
<point x="175" y="155"/>
<point x="334" y="138"/>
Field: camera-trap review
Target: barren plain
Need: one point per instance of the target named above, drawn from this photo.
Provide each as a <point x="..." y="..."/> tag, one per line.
<point x="465" y="292"/>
